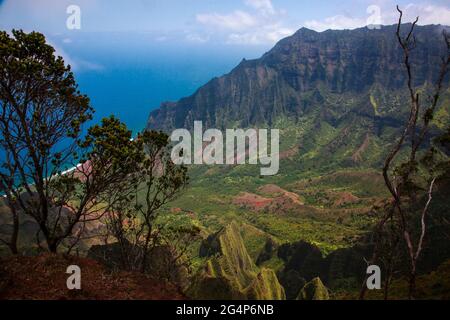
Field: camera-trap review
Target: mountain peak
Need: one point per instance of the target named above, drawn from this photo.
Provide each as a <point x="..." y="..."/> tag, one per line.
<point x="304" y="30"/>
<point x="285" y="80"/>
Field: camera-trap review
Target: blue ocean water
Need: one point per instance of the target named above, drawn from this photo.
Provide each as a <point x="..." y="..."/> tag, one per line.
<point x="128" y="74"/>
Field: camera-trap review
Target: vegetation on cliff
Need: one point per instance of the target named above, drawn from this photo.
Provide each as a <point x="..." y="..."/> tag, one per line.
<point x="230" y="272"/>
<point x="314" y="290"/>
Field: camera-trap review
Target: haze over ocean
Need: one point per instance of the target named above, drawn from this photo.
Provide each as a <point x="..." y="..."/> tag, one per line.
<point x="128" y="75"/>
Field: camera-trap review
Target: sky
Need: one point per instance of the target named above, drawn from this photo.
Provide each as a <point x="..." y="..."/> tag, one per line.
<point x="241" y="22"/>
<point x="255" y="24"/>
<point x="131" y="55"/>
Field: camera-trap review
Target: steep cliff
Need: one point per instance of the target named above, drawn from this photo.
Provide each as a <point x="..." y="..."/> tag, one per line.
<point x="300" y="72"/>
<point x="230" y="273"/>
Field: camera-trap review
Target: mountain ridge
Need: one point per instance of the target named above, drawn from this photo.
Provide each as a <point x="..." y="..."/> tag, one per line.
<point x="289" y="78"/>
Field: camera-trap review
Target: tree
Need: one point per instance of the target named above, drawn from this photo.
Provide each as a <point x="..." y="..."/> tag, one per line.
<point x="411" y="183"/>
<point x="106" y="177"/>
<point x="159" y="180"/>
<point x="41" y="118"/>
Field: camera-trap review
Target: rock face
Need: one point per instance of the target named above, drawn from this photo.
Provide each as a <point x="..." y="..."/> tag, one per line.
<point x="314" y="290"/>
<point x="305" y="262"/>
<point x="298" y="74"/>
<point x="339" y="97"/>
<point x="230" y="273"/>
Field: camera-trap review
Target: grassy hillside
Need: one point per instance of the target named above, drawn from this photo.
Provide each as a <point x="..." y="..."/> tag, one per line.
<point x="229" y="271"/>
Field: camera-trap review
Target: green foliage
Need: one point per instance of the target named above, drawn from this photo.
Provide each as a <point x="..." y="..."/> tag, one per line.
<point x="41" y="116"/>
<point x="152" y="182"/>
<point x="314" y="290"/>
<point x="112" y="140"/>
<point x="50" y="84"/>
<point x="230" y="272"/>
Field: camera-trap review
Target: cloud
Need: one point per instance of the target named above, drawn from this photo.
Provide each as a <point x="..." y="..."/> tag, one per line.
<point x="275" y="33"/>
<point x="193" y="37"/>
<point x="263" y="6"/>
<point x="267" y="34"/>
<point x="44" y="15"/>
<point x="161" y="38"/>
<point x="260" y="24"/>
<point x="238" y="20"/>
<point x="337" y="22"/>
<point x="428" y="14"/>
<point x="75" y="64"/>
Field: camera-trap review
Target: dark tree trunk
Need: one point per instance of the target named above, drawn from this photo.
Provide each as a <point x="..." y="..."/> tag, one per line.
<point x="15" y="235"/>
<point x="52" y="245"/>
<point x="412" y="285"/>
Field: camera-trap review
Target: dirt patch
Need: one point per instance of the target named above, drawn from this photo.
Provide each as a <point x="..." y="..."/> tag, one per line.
<point x="183" y="212"/>
<point x="44" y="278"/>
<point x="344" y="198"/>
<point x="278" y="192"/>
<point x="285" y="203"/>
<point x="251" y="201"/>
<point x="275" y="200"/>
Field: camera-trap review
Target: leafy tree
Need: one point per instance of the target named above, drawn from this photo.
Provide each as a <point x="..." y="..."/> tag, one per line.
<point x="41" y="118"/>
<point x="158" y="182"/>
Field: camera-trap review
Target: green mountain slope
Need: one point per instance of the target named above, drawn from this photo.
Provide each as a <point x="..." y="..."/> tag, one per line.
<point x="230" y="272"/>
<point x="332" y="74"/>
<point x="339" y="100"/>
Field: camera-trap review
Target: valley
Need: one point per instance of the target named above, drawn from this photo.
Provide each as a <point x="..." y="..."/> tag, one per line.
<point x="339" y="102"/>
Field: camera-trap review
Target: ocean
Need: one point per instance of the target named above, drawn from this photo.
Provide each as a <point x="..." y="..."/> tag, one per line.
<point x="128" y="75"/>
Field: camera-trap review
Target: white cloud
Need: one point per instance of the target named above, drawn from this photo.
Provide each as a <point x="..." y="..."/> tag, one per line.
<point x="193" y="37"/>
<point x="264" y="6"/>
<point x="238" y="20"/>
<point x="267" y="34"/>
<point x="161" y="38"/>
<point x="262" y="24"/>
<point x="277" y="33"/>
<point x="428" y="14"/>
<point x="337" y="22"/>
<point x="44" y="15"/>
<point x="75" y="64"/>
